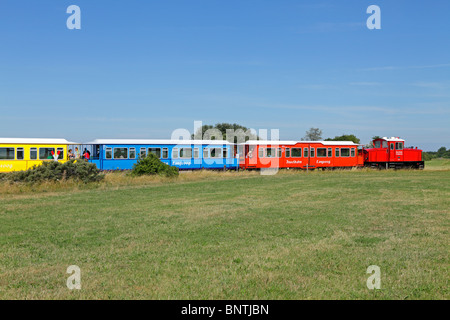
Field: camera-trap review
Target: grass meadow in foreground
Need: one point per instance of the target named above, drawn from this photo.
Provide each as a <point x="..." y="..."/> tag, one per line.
<point x="209" y="235"/>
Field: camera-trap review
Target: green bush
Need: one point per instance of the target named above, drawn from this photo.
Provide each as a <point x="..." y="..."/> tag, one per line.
<point x="151" y="165"/>
<point x="57" y="171"/>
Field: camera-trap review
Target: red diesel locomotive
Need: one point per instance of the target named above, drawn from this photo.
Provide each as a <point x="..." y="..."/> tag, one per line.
<point x="391" y="153"/>
<point x="386" y="153"/>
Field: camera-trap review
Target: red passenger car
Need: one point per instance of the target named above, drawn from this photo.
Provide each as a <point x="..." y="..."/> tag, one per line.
<point x="391" y="153"/>
<point x="300" y="154"/>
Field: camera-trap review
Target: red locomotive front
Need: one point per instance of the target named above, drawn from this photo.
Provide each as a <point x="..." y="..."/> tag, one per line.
<point x="391" y="153"/>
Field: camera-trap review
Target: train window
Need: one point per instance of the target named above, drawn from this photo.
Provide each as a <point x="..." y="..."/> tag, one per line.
<point x="353" y="152"/>
<point x="321" y="152"/>
<point x="60" y="153"/>
<point x="225" y="153"/>
<point x="377" y="144"/>
<point x="155" y="151"/>
<point x="143" y="153"/>
<point x="175" y="153"/>
<point x="20" y="154"/>
<point x="205" y="153"/>
<point x="165" y="153"/>
<point x="288" y="152"/>
<point x="336" y="152"/>
<point x="120" y="153"/>
<point x="46" y="153"/>
<point x="305" y="153"/>
<point x="33" y="153"/>
<point x="270" y="152"/>
<point x="196" y="153"/>
<point x="132" y="153"/>
<point x="384" y="145"/>
<point x="399" y="145"/>
<point x="108" y="153"/>
<point x="261" y="152"/>
<point x="392" y="146"/>
<point x="330" y="152"/>
<point x="279" y="152"/>
<point x="185" y="153"/>
<point x="297" y="152"/>
<point x="216" y="152"/>
<point x="7" y="154"/>
<point x="345" y="152"/>
<point x="312" y="153"/>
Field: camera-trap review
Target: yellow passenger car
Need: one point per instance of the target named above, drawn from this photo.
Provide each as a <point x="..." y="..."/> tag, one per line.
<point x="18" y="154"/>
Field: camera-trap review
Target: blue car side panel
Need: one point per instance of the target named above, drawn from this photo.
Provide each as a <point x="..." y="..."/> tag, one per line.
<point x="182" y="163"/>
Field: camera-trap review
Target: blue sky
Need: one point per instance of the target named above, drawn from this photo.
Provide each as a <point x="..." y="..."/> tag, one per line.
<point x="140" y="69"/>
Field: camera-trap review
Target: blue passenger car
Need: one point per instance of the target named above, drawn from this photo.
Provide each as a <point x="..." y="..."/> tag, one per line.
<point x="122" y="154"/>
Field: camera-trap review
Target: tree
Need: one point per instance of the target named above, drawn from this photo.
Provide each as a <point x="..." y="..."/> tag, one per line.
<point x="234" y="133"/>
<point x="370" y="144"/>
<point x="441" y="152"/>
<point x="345" y="137"/>
<point x="313" y="134"/>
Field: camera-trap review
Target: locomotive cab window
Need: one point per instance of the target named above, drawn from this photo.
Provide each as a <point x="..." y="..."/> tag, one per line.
<point x="321" y="152"/>
<point x="377" y="144"/>
<point x="392" y="146"/>
<point x="120" y="153"/>
<point x="399" y="145"/>
<point x="6" y="153"/>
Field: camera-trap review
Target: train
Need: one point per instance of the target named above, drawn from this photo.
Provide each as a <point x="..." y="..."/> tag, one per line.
<point x="121" y="154"/>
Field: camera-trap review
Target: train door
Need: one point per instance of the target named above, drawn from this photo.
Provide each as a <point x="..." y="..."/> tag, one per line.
<point x="392" y="156"/>
<point x="397" y="154"/>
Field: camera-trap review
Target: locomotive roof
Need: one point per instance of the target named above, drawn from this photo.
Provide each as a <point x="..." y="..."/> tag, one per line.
<point x="325" y="143"/>
<point x="391" y="139"/>
<point x="155" y="141"/>
<point x="34" y="141"/>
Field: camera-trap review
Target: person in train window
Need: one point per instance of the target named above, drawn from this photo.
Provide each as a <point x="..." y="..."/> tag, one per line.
<point x="71" y="155"/>
<point x="86" y="154"/>
<point x="77" y="153"/>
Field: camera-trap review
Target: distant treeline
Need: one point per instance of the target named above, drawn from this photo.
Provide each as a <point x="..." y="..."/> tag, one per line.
<point x="441" y="153"/>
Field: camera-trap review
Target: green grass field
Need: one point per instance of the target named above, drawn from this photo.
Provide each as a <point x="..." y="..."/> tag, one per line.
<point x="295" y="235"/>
